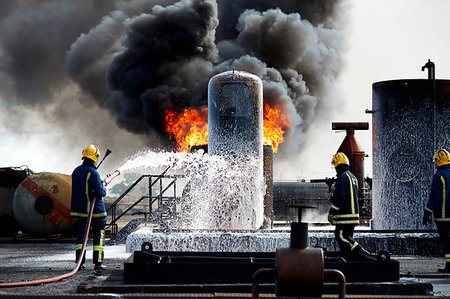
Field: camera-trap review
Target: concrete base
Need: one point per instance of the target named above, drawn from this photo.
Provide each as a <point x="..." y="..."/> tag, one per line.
<point x="396" y="243"/>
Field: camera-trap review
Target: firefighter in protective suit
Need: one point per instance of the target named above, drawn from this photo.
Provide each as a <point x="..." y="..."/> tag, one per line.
<point x="438" y="203"/>
<point x="344" y="210"/>
<point x="86" y="184"/>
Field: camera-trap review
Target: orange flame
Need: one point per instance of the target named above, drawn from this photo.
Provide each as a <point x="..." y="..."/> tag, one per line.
<point x="190" y="127"/>
<point x="275" y="123"/>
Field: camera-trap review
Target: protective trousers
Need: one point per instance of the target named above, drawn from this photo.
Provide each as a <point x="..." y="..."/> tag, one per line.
<point x="344" y="236"/>
<point x="98" y="233"/>
<point x="444" y="235"/>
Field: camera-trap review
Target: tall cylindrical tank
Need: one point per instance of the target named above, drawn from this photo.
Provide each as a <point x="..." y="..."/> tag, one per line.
<point x="41" y="203"/>
<point x="410" y="122"/>
<point x="235" y="114"/>
<point x="235" y="132"/>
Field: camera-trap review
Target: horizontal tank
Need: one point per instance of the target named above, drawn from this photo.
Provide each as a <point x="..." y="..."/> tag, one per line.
<point x="287" y="194"/>
<point x="410" y="122"/>
<point x="41" y="203"/>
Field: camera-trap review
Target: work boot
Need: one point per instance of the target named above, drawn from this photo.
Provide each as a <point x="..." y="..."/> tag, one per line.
<point x="363" y="255"/>
<point x="99" y="267"/>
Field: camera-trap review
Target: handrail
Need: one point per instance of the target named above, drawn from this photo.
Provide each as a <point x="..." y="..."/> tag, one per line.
<point x="113" y="206"/>
<point x="127" y="210"/>
<point x="127" y="191"/>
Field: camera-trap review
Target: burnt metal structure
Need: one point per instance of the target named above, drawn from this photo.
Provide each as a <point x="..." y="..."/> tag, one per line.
<point x="410" y="122"/>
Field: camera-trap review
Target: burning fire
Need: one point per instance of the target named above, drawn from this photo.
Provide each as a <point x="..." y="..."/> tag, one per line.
<point x="275" y="123"/>
<point x="190" y="127"/>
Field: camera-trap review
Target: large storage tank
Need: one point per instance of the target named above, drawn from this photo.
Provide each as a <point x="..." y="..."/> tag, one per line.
<point x="235" y="132"/>
<point x="41" y="203"/>
<point x="235" y="115"/>
<point x="410" y="122"/>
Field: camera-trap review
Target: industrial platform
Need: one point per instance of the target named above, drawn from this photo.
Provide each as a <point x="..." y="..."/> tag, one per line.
<point x="29" y="261"/>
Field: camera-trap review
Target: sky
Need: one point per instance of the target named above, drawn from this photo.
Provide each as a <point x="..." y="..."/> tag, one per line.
<point x="387" y="40"/>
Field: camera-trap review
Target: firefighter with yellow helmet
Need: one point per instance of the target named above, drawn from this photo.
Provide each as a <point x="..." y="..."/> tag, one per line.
<point x="87" y="184"/>
<point x="438" y="203"/>
<point x="344" y="210"/>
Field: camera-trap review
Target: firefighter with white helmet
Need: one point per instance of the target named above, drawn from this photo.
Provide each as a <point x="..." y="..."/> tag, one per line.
<point x="438" y="203"/>
<point x="344" y="210"/>
<point x="87" y="184"/>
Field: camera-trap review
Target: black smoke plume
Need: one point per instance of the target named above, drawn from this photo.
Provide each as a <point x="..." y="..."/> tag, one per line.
<point x="136" y="59"/>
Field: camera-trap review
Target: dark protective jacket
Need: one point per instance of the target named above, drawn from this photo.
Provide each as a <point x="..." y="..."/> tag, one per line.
<point x="86" y="183"/>
<point x="439" y="202"/>
<point x="344" y="202"/>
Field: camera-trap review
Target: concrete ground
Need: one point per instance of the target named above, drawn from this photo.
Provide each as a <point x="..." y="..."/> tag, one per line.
<point x="30" y="261"/>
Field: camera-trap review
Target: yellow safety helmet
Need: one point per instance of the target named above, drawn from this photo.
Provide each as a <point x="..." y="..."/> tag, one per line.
<point x="442" y="157"/>
<point x="91" y="152"/>
<point x="339" y="158"/>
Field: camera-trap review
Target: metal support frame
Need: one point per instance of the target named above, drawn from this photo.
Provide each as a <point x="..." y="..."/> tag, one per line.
<point x="162" y="201"/>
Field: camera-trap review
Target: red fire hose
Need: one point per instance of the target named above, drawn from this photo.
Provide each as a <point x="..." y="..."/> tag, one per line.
<point x="63" y="276"/>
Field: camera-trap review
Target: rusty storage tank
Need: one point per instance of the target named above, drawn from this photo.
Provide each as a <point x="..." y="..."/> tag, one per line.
<point x="41" y="203"/>
<point x="410" y="122"/>
<point x="235" y="132"/>
<point x="10" y="178"/>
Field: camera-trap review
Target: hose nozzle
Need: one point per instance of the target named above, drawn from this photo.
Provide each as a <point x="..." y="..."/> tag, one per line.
<point x="111" y="177"/>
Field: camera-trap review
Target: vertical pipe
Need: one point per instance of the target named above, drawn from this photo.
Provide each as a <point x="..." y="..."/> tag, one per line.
<point x="268" y="177"/>
<point x="150" y="195"/>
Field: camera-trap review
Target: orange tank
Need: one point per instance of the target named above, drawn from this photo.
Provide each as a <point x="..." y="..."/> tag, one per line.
<point x="41" y="203"/>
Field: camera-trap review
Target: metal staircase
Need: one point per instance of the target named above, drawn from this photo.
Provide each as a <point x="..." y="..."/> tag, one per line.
<point x="162" y="201"/>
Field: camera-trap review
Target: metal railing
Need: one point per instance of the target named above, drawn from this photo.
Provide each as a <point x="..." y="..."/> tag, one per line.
<point x="165" y="205"/>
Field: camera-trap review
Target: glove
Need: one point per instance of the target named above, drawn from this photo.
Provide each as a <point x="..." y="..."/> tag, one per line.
<point x="330" y="218"/>
<point x="426" y="219"/>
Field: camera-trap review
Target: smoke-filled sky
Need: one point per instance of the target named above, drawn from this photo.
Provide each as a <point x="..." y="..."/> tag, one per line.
<point x="79" y="72"/>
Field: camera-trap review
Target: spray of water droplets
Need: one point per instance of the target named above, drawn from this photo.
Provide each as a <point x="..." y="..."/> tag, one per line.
<point x="218" y="193"/>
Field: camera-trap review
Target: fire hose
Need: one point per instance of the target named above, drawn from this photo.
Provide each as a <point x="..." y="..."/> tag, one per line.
<point x="63" y="276"/>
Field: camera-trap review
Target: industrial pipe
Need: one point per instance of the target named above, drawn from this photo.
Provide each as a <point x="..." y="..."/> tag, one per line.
<point x="341" y="277"/>
<point x="255" y="279"/>
<point x="272" y="271"/>
<point x="63" y="276"/>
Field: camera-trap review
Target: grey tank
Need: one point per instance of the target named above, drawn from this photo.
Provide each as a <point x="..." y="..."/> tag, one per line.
<point x="235" y="114"/>
<point x="410" y="122"/>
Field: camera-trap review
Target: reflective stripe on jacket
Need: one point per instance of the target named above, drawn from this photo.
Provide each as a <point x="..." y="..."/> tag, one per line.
<point x="438" y="201"/>
<point x="344" y="203"/>
<point x="86" y="183"/>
